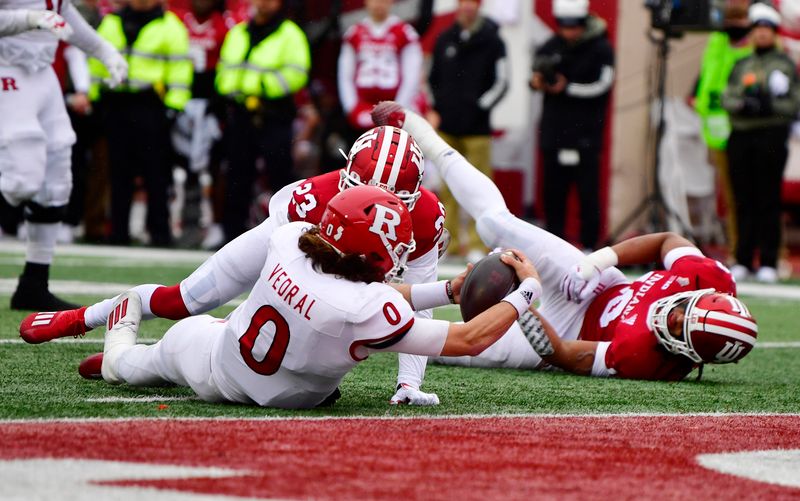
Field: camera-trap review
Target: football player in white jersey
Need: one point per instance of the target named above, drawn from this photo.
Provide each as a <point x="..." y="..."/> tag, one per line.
<point x="320" y="306"/>
<point x="36" y="136"/>
<point x="384" y="157"/>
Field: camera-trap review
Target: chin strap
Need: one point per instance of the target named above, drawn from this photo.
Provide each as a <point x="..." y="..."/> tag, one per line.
<point x="699" y="372"/>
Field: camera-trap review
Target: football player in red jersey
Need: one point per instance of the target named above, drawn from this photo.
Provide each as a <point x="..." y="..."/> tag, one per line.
<point x="380" y="59"/>
<point x="592" y="320"/>
<point x="386" y="157"/>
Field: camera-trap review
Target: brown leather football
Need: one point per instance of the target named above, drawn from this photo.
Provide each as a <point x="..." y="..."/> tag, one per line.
<point x="486" y="285"/>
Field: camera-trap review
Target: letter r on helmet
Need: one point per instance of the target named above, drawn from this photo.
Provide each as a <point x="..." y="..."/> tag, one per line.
<point x="386" y="220"/>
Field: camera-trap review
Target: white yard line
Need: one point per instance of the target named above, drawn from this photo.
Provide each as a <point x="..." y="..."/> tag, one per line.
<point x="141" y="254"/>
<point x="137" y="400"/>
<point x="392" y="416"/>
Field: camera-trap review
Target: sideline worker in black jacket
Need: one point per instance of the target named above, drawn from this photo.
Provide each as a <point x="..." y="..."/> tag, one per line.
<point x="575" y="70"/>
<point x="469" y="76"/>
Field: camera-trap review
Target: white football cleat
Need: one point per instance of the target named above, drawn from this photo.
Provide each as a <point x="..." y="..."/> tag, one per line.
<point x="123" y="329"/>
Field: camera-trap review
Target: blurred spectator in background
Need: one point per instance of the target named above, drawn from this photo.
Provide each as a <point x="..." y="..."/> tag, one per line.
<point x="263" y="62"/>
<point x="139" y="113"/>
<point x="763" y="98"/>
<point x="575" y="70"/>
<point x="468" y="77"/>
<point x="196" y="132"/>
<point x="723" y="50"/>
<point x="380" y="60"/>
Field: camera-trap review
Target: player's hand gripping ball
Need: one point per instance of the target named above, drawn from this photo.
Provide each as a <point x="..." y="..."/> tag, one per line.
<point x="486" y="285"/>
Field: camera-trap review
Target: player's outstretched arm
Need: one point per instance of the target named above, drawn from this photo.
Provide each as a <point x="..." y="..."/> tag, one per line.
<point x="579" y="284"/>
<point x="577" y="357"/>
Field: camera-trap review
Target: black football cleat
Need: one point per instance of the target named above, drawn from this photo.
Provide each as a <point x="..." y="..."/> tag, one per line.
<point x="33" y="294"/>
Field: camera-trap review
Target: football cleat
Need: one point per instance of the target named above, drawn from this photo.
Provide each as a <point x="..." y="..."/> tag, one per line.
<point x="34" y="295"/>
<point x="391" y="113"/>
<point x="123" y="329"/>
<point x="45" y="326"/>
<point x="90" y="367"/>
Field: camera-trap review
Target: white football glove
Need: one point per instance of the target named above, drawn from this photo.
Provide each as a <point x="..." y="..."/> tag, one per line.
<point x="582" y="281"/>
<point x="577" y="288"/>
<point x="116" y="65"/>
<point x="407" y="394"/>
<point x="50" y="21"/>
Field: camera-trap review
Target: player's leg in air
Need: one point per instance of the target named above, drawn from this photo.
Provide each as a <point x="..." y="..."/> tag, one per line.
<point x="498" y="227"/>
<point x="225" y="275"/>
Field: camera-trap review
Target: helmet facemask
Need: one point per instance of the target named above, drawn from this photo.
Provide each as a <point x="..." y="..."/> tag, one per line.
<point x="658" y="320"/>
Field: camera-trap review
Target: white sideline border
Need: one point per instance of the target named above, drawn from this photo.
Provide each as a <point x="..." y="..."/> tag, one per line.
<point x="389" y="417"/>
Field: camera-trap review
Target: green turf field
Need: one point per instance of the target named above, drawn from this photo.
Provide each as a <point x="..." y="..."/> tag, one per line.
<point x="42" y="381"/>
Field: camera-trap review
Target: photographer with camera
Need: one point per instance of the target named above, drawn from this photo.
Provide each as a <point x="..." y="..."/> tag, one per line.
<point x="575" y="70"/>
<point x="763" y="98"/>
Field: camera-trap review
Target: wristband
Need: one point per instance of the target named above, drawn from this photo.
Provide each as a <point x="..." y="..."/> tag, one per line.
<point x="528" y="291"/>
<point x="448" y="287"/>
<point x="431" y="295"/>
<point x="601" y="259"/>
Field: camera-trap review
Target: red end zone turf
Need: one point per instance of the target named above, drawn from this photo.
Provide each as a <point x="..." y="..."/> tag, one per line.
<point x="460" y="458"/>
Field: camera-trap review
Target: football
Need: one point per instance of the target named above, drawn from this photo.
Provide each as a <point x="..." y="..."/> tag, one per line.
<point x="486" y="285"/>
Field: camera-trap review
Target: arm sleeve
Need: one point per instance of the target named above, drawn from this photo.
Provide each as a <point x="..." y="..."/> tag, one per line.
<point x="410" y="68"/>
<point x="13" y="22"/>
<point x="83" y="36"/>
<point x="599" y="368"/>
<point x="230" y="272"/>
<point x="496" y="92"/>
<point x="733" y="97"/>
<point x="78" y="69"/>
<point x="788" y="104"/>
<point x="347" y="77"/>
<point x="179" y="72"/>
<point x="293" y="75"/>
<point x="426" y="337"/>
<point x="594" y="89"/>
<point x="678" y="253"/>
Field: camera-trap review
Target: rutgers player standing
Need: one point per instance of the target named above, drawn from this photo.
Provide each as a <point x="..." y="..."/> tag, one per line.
<point x="318" y="308"/>
<point x="385" y="156"/>
<point x="36" y="136"/>
<point x="658" y="327"/>
<point x="380" y="59"/>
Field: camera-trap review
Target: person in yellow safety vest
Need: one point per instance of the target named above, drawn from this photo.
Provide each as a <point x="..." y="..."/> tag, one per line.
<point x="263" y="63"/>
<point x="722" y="51"/>
<point x="139" y="113"/>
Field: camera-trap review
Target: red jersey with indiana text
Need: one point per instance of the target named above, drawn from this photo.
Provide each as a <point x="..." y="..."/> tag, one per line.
<point x="620" y="316"/>
<point x="311" y="196"/>
<point x="378" y="71"/>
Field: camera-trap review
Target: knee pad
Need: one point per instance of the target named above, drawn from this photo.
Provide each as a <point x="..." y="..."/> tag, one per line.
<point x="22" y="167"/>
<point x="57" y="184"/>
<point x="36" y="213"/>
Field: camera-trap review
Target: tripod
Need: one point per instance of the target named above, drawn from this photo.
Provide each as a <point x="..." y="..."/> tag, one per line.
<point x="658" y="209"/>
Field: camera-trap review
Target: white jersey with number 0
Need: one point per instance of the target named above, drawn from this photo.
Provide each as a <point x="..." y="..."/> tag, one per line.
<point x="300" y="331"/>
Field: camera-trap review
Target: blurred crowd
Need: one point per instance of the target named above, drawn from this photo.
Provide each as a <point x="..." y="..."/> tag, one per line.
<point x="226" y="101"/>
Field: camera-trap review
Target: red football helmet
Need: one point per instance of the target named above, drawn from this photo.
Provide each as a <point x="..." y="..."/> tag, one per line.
<point x="369" y="221"/>
<point x="717" y="327"/>
<point x="386" y="157"/>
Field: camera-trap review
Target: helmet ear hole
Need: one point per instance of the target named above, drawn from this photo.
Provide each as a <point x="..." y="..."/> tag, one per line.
<point x="368" y="209"/>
